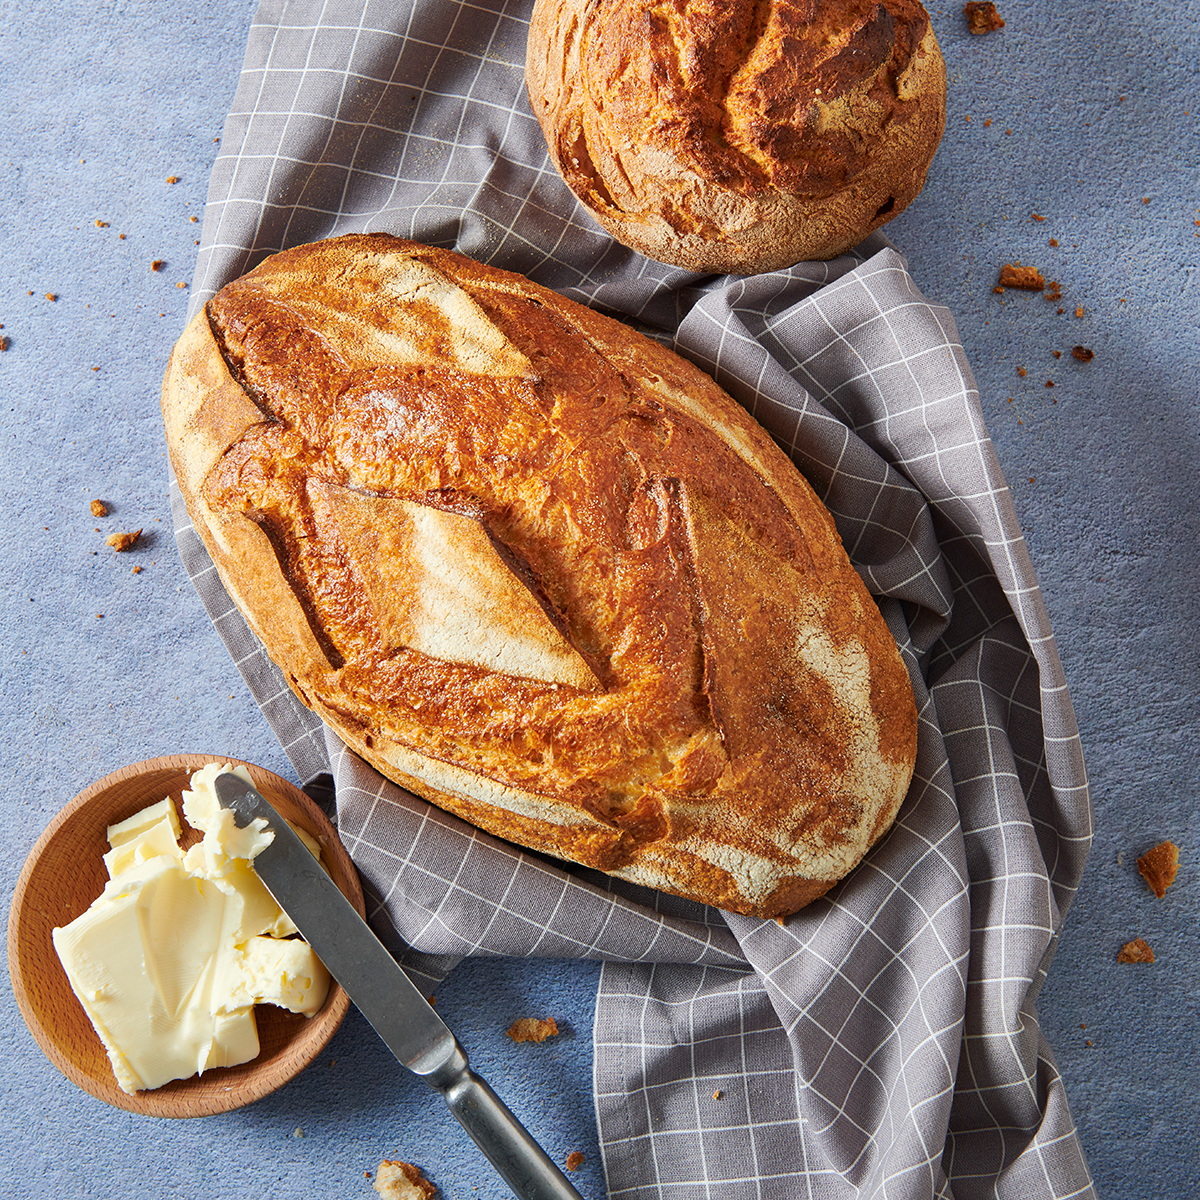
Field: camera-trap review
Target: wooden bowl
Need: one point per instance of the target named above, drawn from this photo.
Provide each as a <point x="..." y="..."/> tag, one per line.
<point x="65" y="873"/>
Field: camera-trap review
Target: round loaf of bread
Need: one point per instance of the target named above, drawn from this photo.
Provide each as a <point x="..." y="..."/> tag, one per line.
<point x="738" y="135"/>
<point x="541" y="571"/>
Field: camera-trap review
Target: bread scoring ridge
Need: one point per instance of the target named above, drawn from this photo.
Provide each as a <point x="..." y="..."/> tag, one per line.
<point x="738" y="135"/>
<point x="540" y="570"/>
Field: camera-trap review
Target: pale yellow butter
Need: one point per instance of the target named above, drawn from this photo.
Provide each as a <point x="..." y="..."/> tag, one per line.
<point x="268" y="970"/>
<point x="170" y="959"/>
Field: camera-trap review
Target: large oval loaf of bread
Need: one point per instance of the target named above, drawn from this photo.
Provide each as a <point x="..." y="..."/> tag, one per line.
<point x="541" y="571"/>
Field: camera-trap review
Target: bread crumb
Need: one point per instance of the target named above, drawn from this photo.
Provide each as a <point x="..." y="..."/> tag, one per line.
<point x="982" y="17"/>
<point x="1079" y="312"/>
<point x="181" y="284"/>
<point x="574" y="1160"/>
<point x="51" y="295"/>
<point x="157" y="264"/>
<point x="1158" y="867"/>
<point x="533" y="1029"/>
<point x="1022" y="372"/>
<point x="402" y="1181"/>
<point x="172" y="178"/>
<point x="122" y="541"/>
<point x="1014" y="275"/>
<point x="1057" y="353"/>
<point x="98" y="508"/>
<point x="1054" y="241"/>
<point x="1053" y="291"/>
<point x="718" y="1094"/>
<point x="1136" y="951"/>
<point x="101" y="224"/>
<point x="1082" y="353"/>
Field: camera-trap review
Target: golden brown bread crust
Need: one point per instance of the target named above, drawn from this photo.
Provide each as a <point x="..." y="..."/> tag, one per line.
<point x="738" y="136"/>
<point x="541" y="571"/>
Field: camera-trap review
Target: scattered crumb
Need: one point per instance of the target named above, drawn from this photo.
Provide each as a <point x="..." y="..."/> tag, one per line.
<point x="137" y="570"/>
<point x="1158" y="867"/>
<point x="402" y="1181"/>
<point x="157" y="264"/>
<point x="1014" y="275"/>
<point x="101" y="224"/>
<point x="533" y="1029"/>
<point x="982" y="17"/>
<point x="3" y="343"/>
<point x="1022" y="372"/>
<point x="574" y="1160"/>
<point x="1049" y="382"/>
<point x="51" y="295"/>
<point x="1054" y="241"/>
<point x="1136" y="951"/>
<point x="1054" y="291"/>
<point x="122" y="541"/>
<point x="98" y="508"/>
<point x="718" y="1094"/>
<point x="181" y="284"/>
<point x="1036" y="217"/>
<point x="1082" y="353"/>
<point x="1079" y="312"/>
<point x="172" y="178"/>
<point x="1057" y="353"/>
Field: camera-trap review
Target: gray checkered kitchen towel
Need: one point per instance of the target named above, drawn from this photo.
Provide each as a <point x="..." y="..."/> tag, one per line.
<point x="884" y="1041"/>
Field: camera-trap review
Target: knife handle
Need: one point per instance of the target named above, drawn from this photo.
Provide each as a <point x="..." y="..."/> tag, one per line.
<point x="506" y="1143"/>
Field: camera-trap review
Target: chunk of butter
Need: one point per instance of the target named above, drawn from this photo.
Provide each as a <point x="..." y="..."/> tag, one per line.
<point x="170" y="959"/>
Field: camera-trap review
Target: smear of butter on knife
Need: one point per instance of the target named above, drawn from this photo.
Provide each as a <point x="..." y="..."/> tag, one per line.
<point x="170" y="959"/>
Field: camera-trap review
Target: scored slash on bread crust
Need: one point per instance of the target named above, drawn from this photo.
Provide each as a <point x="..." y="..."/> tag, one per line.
<point x="738" y="135"/>
<point x="541" y="571"/>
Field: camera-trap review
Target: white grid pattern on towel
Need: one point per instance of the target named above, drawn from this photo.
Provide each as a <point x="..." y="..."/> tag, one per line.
<point x="884" y="1041"/>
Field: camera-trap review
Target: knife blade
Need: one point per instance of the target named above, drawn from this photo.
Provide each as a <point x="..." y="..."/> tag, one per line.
<point x="390" y="1001"/>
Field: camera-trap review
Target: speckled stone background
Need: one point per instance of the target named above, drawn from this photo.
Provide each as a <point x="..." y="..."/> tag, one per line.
<point x="1088" y="118"/>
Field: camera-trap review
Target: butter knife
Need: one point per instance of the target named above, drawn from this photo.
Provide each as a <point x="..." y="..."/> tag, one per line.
<point x="390" y="1001"/>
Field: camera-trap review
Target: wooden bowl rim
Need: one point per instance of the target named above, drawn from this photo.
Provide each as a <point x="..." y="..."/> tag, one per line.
<point x="220" y="1089"/>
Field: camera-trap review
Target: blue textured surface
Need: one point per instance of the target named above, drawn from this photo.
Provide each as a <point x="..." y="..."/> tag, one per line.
<point x="1094" y="126"/>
